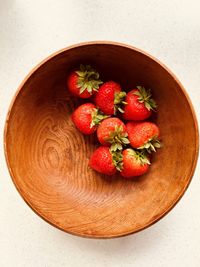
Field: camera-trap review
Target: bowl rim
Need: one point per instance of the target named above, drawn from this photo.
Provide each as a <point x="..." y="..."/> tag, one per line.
<point x="194" y="163"/>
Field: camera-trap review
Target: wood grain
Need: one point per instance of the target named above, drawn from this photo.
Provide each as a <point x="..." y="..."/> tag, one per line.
<point x="48" y="158"/>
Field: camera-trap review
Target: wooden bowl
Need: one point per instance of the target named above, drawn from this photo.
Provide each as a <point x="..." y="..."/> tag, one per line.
<point x="48" y="158"/>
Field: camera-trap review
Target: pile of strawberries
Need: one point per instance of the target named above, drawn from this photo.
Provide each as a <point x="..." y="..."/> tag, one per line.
<point x="124" y="147"/>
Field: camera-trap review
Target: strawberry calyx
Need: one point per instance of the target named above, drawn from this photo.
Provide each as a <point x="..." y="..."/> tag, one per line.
<point x="151" y="145"/>
<point x="117" y="159"/>
<point x="145" y="96"/>
<point x="119" y="102"/>
<point x="117" y="138"/>
<point x="140" y="156"/>
<point x="88" y="79"/>
<point x="97" y="117"/>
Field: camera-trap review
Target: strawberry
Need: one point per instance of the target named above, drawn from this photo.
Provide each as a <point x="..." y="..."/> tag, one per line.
<point x="109" y="98"/>
<point x="139" y="104"/>
<point x="105" y="161"/>
<point x="135" y="163"/>
<point x="143" y="135"/>
<point x="86" y="118"/>
<point x="83" y="82"/>
<point x="112" y="132"/>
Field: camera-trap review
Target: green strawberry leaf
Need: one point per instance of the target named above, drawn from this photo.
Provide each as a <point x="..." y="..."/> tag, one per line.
<point x="137" y="93"/>
<point x="80" y="73"/>
<point x="125" y="141"/>
<point x="88" y="79"/>
<point x="117" y="159"/>
<point x="140" y="156"/>
<point x="82" y="89"/>
<point x="157" y="144"/>
<point x="116" y="146"/>
<point x="119" y="101"/>
<point x="151" y="145"/>
<point x="144" y="96"/>
<point x="97" y="117"/>
<point x="120" y="110"/>
<point x="147" y="105"/>
<point x="82" y="68"/>
<point x="118" y="138"/>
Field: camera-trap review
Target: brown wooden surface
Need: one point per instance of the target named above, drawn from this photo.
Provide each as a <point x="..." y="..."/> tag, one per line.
<point x="48" y="158"/>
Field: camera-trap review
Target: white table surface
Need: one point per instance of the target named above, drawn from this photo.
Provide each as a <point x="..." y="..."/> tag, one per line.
<point x="30" y="31"/>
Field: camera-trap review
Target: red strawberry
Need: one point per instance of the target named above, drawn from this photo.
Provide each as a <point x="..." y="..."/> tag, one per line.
<point x="86" y="118"/>
<point x="135" y="163"/>
<point x="112" y="132"/>
<point x="143" y="135"/>
<point x="105" y="161"/>
<point x="84" y="82"/>
<point x="139" y="104"/>
<point x="109" y="98"/>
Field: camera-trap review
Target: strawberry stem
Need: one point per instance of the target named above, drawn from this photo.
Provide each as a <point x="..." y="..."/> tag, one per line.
<point x="119" y="102"/>
<point x="117" y="159"/>
<point x="151" y="145"/>
<point x="118" y="138"/>
<point x="97" y="117"/>
<point x="144" y="96"/>
<point x="88" y="79"/>
<point x="140" y="156"/>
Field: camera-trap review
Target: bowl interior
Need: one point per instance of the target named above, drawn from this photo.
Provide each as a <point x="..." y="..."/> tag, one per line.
<point x="48" y="157"/>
